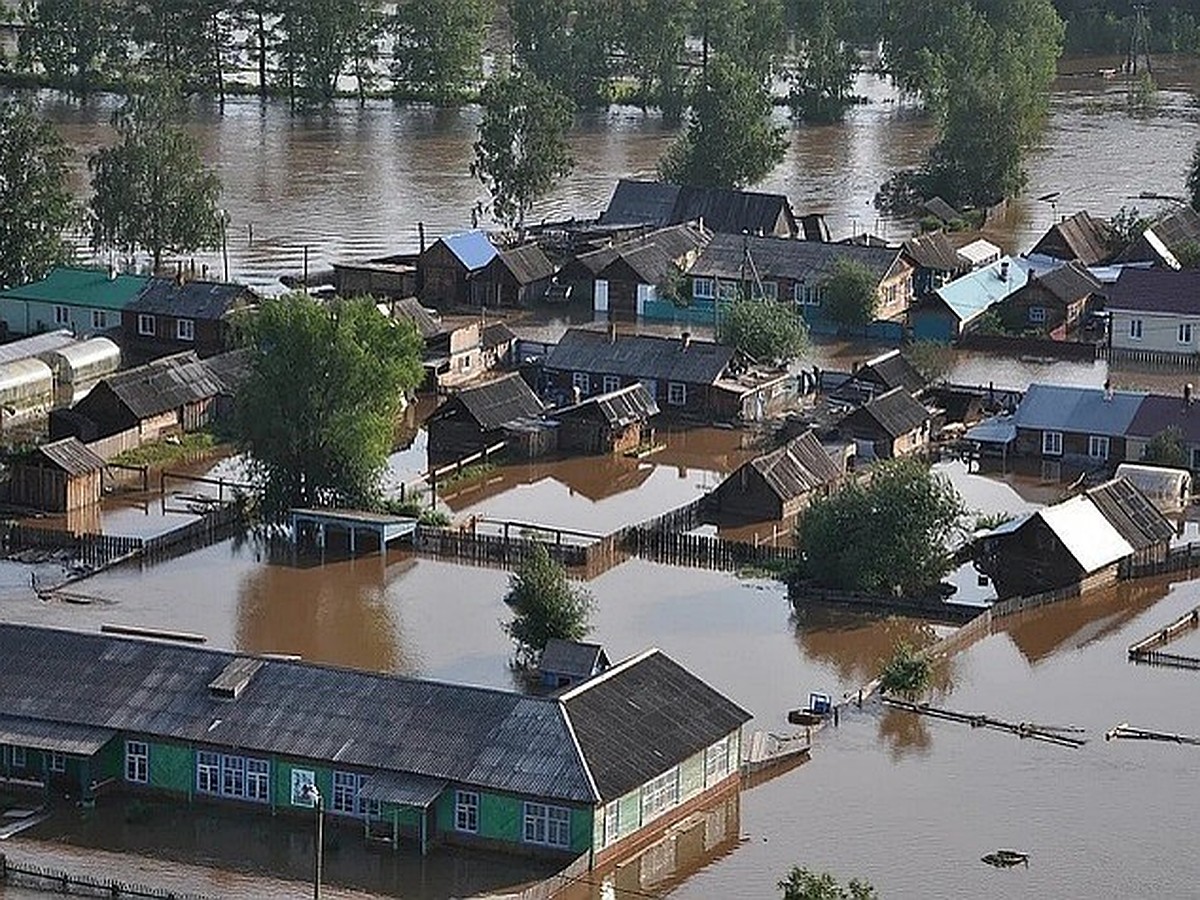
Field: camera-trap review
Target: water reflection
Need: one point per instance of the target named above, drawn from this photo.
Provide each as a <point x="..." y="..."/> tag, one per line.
<point x="856" y="646"/>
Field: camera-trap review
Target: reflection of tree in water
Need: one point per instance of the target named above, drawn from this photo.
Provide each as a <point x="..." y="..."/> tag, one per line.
<point x="856" y="645"/>
<point x="337" y="613"/>
<point x="904" y="733"/>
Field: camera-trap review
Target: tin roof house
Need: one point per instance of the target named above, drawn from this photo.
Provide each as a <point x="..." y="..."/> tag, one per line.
<point x="1079" y="425"/>
<point x="656" y="204"/>
<point x="576" y="774"/>
<point x="81" y="299"/>
<point x="951" y="309"/>
<point x="445" y="269"/>
<point x="1155" y="311"/>
<point x="1081" y="237"/>
<point x="889" y="425"/>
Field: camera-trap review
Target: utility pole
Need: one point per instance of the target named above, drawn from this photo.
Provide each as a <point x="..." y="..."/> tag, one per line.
<point x="1139" y="41"/>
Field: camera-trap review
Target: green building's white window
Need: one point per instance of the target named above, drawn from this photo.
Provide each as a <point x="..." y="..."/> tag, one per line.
<point x="137" y="762"/>
<point x="146" y="325"/>
<point x="185" y="330"/>
<point x="703" y="288"/>
<point x="612" y="822"/>
<point x="239" y="777"/>
<point x="233" y="776"/>
<point x="258" y="780"/>
<point x="208" y="773"/>
<point x="466" y="811"/>
<point x="612" y="383"/>
<point x="62" y="315"/>
<point x="99" y="318"/>
<point x="19" y="760"/>
<point x="302" y="781"/>
<point x="58" y="762"/>
<point x="716" y="761"/>
<point x="549" y="825"/>
<point x="660" y="794"/>
<point x="346" y="800"/>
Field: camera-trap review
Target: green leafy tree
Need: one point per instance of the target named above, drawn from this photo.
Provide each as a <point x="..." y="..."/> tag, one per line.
<point x="437" y="49"/>
<point x="34" y="194"/>
<point x="849" y="294"/>
<point x="545" y="605"/>
<point x="801" y="884"/>
<point x="318" y="413"/>
<point x="78" y="44"/>
<point x="522" y="146"/>
<point x="318" y="41"/>
<point x="654" y="34"/>
<point x="1126" y="227"/>
<point x="188" y="38"/>
<point x="931" y="358"/>
<point x="764" y="330"/>
<point x="1192" y="182"/>
<point x="152" y="191"/>
<point x="747" y="33"/>
<point x="891" y="533"/>
<point x="1166" y="449"/>
<point x="728" y="139"/>
<point x="906" y="672"/>
<point x="821" y="79"/>
<point x="566" y="44"/>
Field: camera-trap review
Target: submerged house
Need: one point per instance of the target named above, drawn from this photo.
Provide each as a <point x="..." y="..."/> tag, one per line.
<point x="1079" y="425"/>
<point x="474" y="418"/>
<point x="171" y="316"/>
<point x="569" y="776"/>
<point x="1159" y="413"/>
<point x="1052" y="304"/>
<point x="952" y="309"/>
<point x="81" y="299"/>
<point x="564" y="663"/>
<point x="60" y="476"/>
<point x="883" y="373"/>
<point x="655" y="204"/>
<point x="1155" y="310"/>
<point x="1081" y="541"/>
<point x="447" y="268"/>
<point x="889" y="425"/>
<point x="1080" y="237"/>
<point x="777" y="485"/>
<point x="516" y="276"/>
<point x="1166" y="240"/>
<point x="616" y="422"/>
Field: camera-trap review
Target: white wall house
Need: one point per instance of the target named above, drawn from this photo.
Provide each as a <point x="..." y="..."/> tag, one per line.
<point x="1156" y="310"/>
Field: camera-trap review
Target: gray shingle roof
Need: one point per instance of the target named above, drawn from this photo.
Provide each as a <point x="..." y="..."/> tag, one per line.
<point x="1068" y="283"/>
<point x="806" y="261"/>
<point x="1156" y="290"/>
<point x="574" y="658"/>
<point x="896" y="412"/>
<point x="69" y="455"/>
<point x="797" y="468"/>
<point x="729" y="211"/>
<point x="619" y="408"/>
<point x="1081" y="410"/>
<point x="1080" y="237"/>
<point x="82" y="740"/>
<point x="527" y="263"/>
<point x="1158" y="413"/>
<point x="933" y="251"/>
<point x="192" y="299"/>
<point x="164" y="384"/>
<point x="411" y="310"/>
<point x="642" y="717"/>
<point x="640" y="356"/>
<point x="891" y="370"/>
<point x="231" y="369"/>
<point x="494" y="403"/>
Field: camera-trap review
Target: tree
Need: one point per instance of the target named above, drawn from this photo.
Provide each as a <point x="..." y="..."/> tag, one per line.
<point x="437" y="47"/>
<point x="1192" y="182"/>
<point x="849" y="294"/>
<point x="151" y="190"/>
<point x="892" y="533"/>
<point x="764" y="330"/>
<point x="1166" y="449"/>
<point x="906" y="672"/>
<point x="654" y="36"/>
<point x="728" y="140"/>
<point x="318" y="412"/>
<point x="34" y="194"/>
<point x="821" y="79"/>
<point x="319" y="40"/>
<point x="932" y="359"/>
<point x="78" y="43"/>
<point x="566" y="44"/>
<point x="545" y="605"/>
<point x="801" y="884"/>
<point x="522" y="146"/>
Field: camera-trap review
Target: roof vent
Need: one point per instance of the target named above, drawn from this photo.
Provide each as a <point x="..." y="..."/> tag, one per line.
<point x="233" y="678"/>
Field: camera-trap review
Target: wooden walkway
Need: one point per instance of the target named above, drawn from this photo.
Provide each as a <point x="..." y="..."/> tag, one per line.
<point x="1050" y="734"/>
<point x="1145" y="650"/>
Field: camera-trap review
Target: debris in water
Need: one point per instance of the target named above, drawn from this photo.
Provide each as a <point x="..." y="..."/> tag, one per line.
<point x="1006" y="859"/>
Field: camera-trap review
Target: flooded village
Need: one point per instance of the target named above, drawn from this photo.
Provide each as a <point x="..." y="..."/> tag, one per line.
<point x="202" y="695"/>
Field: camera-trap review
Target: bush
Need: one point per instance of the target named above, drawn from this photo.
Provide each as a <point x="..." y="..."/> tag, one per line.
<point x="546" y="605"/>
<point x="905" y="673"/>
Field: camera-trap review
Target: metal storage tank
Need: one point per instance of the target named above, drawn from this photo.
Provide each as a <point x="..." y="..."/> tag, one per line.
<point x="26" y="385"/>
<point x="85" y="361"/>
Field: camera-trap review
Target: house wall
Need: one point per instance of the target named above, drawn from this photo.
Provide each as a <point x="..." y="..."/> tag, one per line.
<point x="1029" y="560"/>
<point x="454" y="433"/>
<point x="1061" y="319"/>
<point x="210" y="336"/>
<point x="746" y="495"/>
<point x="702" y="401"/>
<point x="442" y="277"/>
<point x="502" y="822"/>
<point x="1153" y="331"/>
<point x="32" y="316"/>
<point x="585" y="435"/>
<point x="1075" y="446"/>
<point x="51" y="489"/>
<point x="886" y="447"/>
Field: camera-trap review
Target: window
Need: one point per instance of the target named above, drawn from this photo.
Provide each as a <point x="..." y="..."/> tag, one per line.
<point x="466" y="811"/>
<point x="1185" y="332"/>
<point x="716" y="761"/>
<point x="99" y="318"/>
<point x="582" y="382"/>
<point x="1135" y="329"/>
<point x="258" y="780"/>
<point x="185" y="330"/>
<point x="727" y="290"/>
<point x="1037" y="315"/>
<point x="660" y="795"/>
<point x="233" y="776"/>
<point x="137" y="762"/>
<point x="769" y="291"/>
<point x="58" y="762"/>
<point x="550" y="825"/>
<point x="804" y="295"/>
<point x="62" y="315"/>
<point x="676" y="394"/>
<point x="611" y="383"/>
<point x="19" y="760"/>
<point x="703" y="289"/>
<point x="208" y="773"/>
<point x="612" y="822"/>
<point x="1052" y="443"/>
<point x="146" y="325"/>
<point x="1098" y="446"/>
<point x="1195" y="465"/>
<point x="302" y="780"/>
<point x="345" y="790"/>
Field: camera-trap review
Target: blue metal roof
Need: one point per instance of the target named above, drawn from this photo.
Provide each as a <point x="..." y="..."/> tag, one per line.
<point x="970" y="295"/>
<point x="472" y="248"/>
<point x="1081" y="410"/>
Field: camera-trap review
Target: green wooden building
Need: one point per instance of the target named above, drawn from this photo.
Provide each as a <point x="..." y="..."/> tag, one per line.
<point x="583" y="773"/>
<point x="85" y="300"/>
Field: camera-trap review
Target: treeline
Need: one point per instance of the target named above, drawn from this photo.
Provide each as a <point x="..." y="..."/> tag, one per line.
<point x="1107" y="26"/>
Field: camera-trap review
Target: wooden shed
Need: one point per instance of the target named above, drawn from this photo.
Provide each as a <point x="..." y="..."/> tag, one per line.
<point x="777" y="485"/>
<point x="615" y="422"/>
<point x="892" y="424"/>
<point x="57" y="477"/>
<point x="474" y="418"/>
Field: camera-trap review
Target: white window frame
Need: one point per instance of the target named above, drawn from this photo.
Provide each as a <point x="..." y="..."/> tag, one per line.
<point x="1037" y="315"/>
<point x="583" y="381"/>
<point x="233" y="776"/>
<point x="660" y="794"/>
<point x="546" y="825"/>
<point x="345" y="793"/>
<point x="302" y="780"/>
<point x="1052" y="443"/>
<point x="1183" y="333"/>
<point x="1135" y="329"/>
<point x="612" y="383"/>
<point x="258" y="780"/>
<point x="806" y="295"/>
<point x="704" y="289"/>
<point x="145" y="325"/>
<point x="466" y="811"/>
<point x="185" y="330"/>
<point x="716" y="761"/>
<point x="676" y="393"/>
<point x="20" y="759"/>
<point x="728" y="290"/>
<point x="62" y="315"/>
<point x="137" y="762"/>
<point x="770" y="290"/>
<point x="99" y="318"/>
<point x="612" y="822"/>
<point x="208" y="772"/>
<point x="58" y="762"/>
<point x="1098" y="446"/>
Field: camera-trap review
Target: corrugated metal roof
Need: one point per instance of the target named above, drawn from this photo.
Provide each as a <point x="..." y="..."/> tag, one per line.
<point x="69" y="455"/>
<point x="164" y="384"/>
<point x="494" y="403"/>
<point x="80" y="286"/>
<point x="1080" y="237"/>
<point x="411" y="310"/>
<point x="36" y="344"/>
<point x="472" y="248"/>
<point x="799" y="467"/>
<point x="527" y="263"/>
<point x="774" y="257"/>
<point x="933" y="251"/>
<point x="644" y="716"/>
<point x="970" y="295"/>
<point x="1087" y="535"/>
<point x="893" y="370"/>
<point x="619" y="408"/>
<point x="78" y="740"/>
<point x="403" y="788"/>
<point x="1081" y="410"/>
<point x="996" y="430"/>
<point x="723" y="210"/>
<point x="1068" y="283"/>
<point x="640" y="356"/>
<point x="1131" y="513"/>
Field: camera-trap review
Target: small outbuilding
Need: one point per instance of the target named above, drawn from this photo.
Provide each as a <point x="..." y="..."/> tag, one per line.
<point x="616" y="422"/>
<point x="474" y="418"/>
<point x="779" y="484"/>
<point x="57" y="477"/>
<point x="515" y="277"/>
<point x="892" y="424"/>
<point x="567" y="663"/>
<point x="1168" y="489"/>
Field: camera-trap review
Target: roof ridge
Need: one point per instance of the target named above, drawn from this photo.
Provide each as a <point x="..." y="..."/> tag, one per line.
<point x="608" y="673"/>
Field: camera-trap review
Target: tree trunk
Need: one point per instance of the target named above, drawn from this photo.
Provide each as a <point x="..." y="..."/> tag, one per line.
<point x="262" y="56"/>
<point x="220" y="71"/>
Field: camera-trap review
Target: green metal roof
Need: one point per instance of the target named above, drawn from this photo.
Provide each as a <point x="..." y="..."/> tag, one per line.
<point x="75" y="286"/>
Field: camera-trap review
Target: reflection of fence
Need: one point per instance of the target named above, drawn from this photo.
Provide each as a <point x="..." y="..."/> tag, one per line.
<point x="702" y="551"/>
<point x="39" y="878"/>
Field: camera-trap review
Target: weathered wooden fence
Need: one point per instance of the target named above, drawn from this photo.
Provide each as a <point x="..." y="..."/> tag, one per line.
<point x="1178" y="559"/>
<point x="59" y="882"/>
<point x="933" y="608"/>
<point x="91" y="549"/>
<point x="208" y="529"/>
<point x="492" y="549"/>
<point x="702" y="551"/>
<point x="1151" y="359"/>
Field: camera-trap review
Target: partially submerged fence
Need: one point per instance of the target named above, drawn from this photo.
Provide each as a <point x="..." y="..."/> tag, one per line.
<point x="1178" y="559"/>
<point x="59" y="882"/>
<point x="90" y="549"/>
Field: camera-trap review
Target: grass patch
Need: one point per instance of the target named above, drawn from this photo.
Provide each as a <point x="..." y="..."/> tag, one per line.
<point x="465" y="474"/>
<point x="164" y="452"/>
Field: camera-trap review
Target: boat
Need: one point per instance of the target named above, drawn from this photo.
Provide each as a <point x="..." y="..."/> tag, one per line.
<point x="820" y="708"/>
<point x="1006" y="859"/>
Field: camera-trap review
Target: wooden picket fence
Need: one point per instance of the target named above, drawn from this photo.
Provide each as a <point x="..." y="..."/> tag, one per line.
<point x="60" y="882"/>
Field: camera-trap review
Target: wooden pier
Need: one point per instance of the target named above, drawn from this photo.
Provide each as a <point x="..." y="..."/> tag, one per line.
<point x="1057" y="735"/>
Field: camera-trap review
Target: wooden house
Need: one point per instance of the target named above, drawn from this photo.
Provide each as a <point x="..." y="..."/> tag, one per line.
<point x="1053" y="304"/>
<point x="956" y="307"/>
<point x="655" y="204"/>
<point x="173" y="316"/>
<point x="446" y="269"/>
<point x="83" y="300"/>
<point x="61" y="476"/>
<point x="1079" y="425"/>
<point x="879" y="375"/>
<point x="625" y="280"/>
<point x="1079" y="237"/>
<point x="1155" y="311"/>
<point x="616" y="422"/>
<point x="515" y="276"/>
<point x="777" y="485"/>
<point x="386" y="277"/>
<point x="890" y="425"/>
<point x="473" y="419"/>
<point x="566" y="663"/>
<point x="1080" y="541"/>
<point x="1159" y="413"/>
<point x="1168" y="239"/>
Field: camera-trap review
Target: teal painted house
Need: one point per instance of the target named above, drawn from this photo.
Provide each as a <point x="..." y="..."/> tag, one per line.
<point x="617" y="757"/>
<point x="84" y="300"/>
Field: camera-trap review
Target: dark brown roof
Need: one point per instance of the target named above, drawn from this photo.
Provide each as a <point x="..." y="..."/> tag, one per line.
<point x="527" y="263"/>
<point x="728" y="211"/>
<point x="619" y="408"/>
<point x="942" y="210"/>
<point x="934" y="251"/>
<point x="1156" y="290"/>
<point x="1158" y="412"/>
<point x="494" y="403"/>
<point x="575" y="658"/>
<point x="891" y="370"/>
<point x="496" y="334"/>
<point x="896" y="412"/>
<point x="68" y="455"/>
<point x="1080" y="237"/>
<point x="164" y="384"/>
<point x="799" y="467"/>
<point x="1068" y="283"/>
<point x="1134" y="517"/>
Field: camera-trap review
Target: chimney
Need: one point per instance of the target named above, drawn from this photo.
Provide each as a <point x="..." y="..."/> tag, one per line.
<point x="1187" y="394"/>
<point x="112" y="272"/>
<point x="612" y="332"/>
<point x="1108" y="390"/>
<point x="421" y="236"/>
<point x="685" y="339"/>
<point x="1004" y="270"/>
